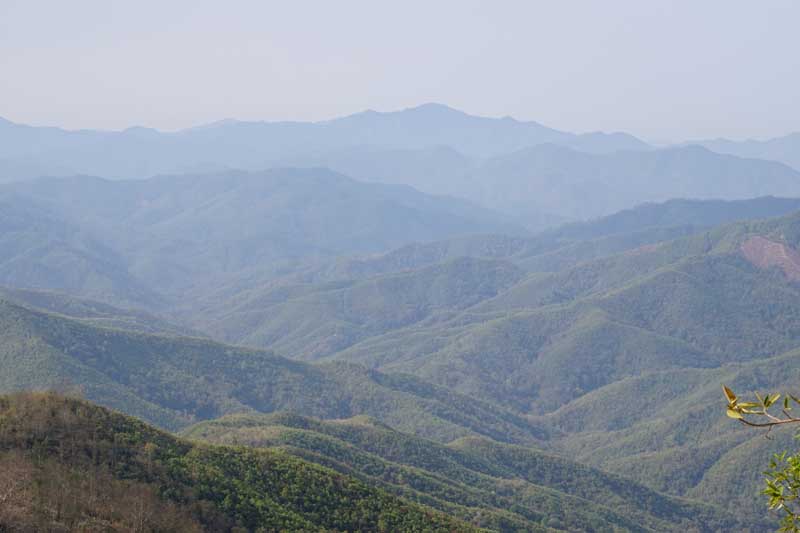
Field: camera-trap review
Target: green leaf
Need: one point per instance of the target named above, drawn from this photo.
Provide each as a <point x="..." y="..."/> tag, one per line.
<point x="734" y="414"/>
<point x="769" y="400"/>
<point x="729" y="394"/>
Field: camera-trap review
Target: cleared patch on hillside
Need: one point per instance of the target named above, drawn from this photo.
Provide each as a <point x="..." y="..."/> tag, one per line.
<point x="765" y="253"/>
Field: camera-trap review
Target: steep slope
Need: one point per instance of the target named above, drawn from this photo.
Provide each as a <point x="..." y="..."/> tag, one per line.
<point x="173" y="381"/>
<point x="71" y="465"/>
<point x="496" y="486"/>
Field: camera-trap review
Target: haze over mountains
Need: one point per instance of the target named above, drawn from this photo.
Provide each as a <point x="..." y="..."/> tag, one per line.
<point x="481" y="321"/>
<point x="141" y="152"/>
<point x="784" y="149"/>
<point x="538" y="175"/>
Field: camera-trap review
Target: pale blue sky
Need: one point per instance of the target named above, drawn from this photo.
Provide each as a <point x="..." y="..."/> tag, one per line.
<point x="672" y="69"/>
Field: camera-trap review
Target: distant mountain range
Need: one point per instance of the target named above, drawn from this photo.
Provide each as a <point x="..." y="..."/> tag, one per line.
<point x="538" y="175"/>
<point x="785" y="149"/>
<point x="27" y="151"/>
<point x="550" y="183"/>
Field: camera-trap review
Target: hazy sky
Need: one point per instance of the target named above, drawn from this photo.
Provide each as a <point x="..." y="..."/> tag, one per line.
<point x="668" y="69"/>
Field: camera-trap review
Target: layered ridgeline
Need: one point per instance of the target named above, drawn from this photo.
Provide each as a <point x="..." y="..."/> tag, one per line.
<point x="785" y="149"/>
<point x="173" y="381"/>
<point x="93" y="312"/>
<point x="700" y="301"/>
<point x="143" y="242"/>
<point x="27" y="151"/>
<point x="546" y="183"/>
<point x="69" y="465"/>
<point x="496" y="486"/>
<point x="523" y="169"/>
<point x="322" y="310"/>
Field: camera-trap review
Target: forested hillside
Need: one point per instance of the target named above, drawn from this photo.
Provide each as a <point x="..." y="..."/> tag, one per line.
<point x="173" y="381"/>
<point x="498" y="486"/>
<point x="181" y="235"/>
<point x="603" y="341"/>
<point x="70" y="465"/>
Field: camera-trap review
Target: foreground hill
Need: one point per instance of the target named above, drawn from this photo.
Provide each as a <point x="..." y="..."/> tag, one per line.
<point x="173" y="381"/>
<point x="496" y="486"/>
<point x="68" y="465"/>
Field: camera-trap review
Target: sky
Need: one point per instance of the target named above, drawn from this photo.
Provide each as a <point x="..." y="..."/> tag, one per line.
<point x="665" y="70"/>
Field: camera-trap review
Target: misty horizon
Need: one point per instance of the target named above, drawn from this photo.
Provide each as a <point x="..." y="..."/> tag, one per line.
<point x="664" y="72"/>
<point x="231" y="120"/>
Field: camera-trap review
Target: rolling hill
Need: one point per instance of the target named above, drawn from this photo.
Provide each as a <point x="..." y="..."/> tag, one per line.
<point x="693" y="302"/>
<point x="310" y="321"/>
<point x="173" y="381"/>
<point x="94" y="312"/>
<point x="673" y="433"/>
<point x="179" y="234"/>
<point x="437" y="287"/>
<point x="495" y="486"/>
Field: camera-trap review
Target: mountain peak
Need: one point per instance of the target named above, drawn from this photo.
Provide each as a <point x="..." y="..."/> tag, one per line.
<point x="433" y="107"/>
